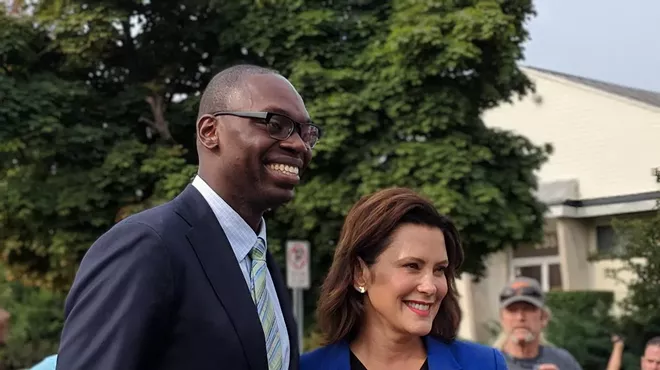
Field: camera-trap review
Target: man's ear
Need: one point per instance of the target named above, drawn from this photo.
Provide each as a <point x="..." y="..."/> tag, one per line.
<point x="207" y="134"/>
<point x="545" y="317"/>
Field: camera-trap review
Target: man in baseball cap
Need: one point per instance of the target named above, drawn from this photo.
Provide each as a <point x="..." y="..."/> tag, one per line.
<point x="523" y="317"/>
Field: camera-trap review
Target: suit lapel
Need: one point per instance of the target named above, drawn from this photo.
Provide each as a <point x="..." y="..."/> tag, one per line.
<point x="341" y="355"/>
<point x="218" y="261"/>
<point x="440" y="355"/>
<point x="287" y="311"/>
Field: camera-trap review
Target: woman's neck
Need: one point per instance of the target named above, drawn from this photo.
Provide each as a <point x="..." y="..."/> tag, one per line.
<point x="379" y="349"/>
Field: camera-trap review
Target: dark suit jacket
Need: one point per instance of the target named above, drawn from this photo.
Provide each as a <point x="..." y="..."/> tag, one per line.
<point x="456" y="355"/>
<point x="163" y="290"/>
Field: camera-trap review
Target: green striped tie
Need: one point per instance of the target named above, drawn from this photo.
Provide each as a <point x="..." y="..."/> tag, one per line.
<point x="265" y="306"/>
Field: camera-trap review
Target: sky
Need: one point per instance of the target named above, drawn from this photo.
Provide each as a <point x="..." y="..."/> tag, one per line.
<point x="609" y="40"/>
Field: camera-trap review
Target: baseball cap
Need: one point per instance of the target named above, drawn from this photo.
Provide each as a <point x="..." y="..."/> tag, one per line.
<point x="522" y="289"/>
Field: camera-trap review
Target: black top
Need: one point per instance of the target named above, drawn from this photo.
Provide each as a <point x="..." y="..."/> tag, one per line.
<point x="357" y="365"/>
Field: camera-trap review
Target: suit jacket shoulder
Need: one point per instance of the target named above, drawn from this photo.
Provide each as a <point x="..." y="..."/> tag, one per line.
<point x="161" y="219"/>
<point x="123" y="293"/>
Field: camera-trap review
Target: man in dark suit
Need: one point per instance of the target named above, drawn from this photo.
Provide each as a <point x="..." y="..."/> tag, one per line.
<point x="190" y="284"/>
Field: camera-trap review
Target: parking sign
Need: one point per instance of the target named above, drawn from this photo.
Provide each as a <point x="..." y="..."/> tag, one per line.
<point x="297" y="264"/>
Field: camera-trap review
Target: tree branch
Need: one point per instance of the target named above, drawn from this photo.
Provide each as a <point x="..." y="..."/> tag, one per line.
<point x="159" y="123"/>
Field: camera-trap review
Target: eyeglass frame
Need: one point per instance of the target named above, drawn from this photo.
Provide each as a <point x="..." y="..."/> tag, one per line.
<point x="267" y="116"/>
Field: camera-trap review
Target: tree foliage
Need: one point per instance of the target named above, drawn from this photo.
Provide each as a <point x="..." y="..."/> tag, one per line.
<point x="582" y="324"/>
<point x="102" y="104"/>
<point x="639" y="240"/>
<point x="74" y="157"/>
<point x="640" y="254"/>
<point x="35" y="325"/>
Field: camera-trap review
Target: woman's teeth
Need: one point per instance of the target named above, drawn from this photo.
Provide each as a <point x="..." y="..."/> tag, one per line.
<point x="419" y="306"/>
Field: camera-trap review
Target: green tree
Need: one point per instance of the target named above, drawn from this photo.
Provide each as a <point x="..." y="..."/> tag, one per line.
<point x="640" y="254"/>
<point x="35" y="325"/>
<point x="582" y="324"/>
<point x="398" y="85"/>
<point x="81" y="144"/>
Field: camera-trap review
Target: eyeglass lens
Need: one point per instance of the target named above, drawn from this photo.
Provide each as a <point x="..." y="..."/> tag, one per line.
<point x="280" y="127"/>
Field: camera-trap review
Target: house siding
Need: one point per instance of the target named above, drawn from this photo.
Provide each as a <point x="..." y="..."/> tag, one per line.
<point x="608" y="145"/>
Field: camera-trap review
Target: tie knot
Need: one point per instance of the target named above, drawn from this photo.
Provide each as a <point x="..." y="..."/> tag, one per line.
<point x="259" y="250"/>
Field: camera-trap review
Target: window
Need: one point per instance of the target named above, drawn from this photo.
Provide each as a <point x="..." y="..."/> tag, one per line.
<point x="607" y="241"/>
<point x="554" y="276"/>
<point x="546" y="270"/>
<point x="533" y="272"/>
<point x="548" y="247"/>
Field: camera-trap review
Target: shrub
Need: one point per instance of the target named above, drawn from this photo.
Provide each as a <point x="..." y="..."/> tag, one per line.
<point x="583" y="325"/>
<point x="312" y="341"/>
<point x="35" y="325"/>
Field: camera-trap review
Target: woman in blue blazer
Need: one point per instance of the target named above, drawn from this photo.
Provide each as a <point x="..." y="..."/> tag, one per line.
<point x="389" y="300"/>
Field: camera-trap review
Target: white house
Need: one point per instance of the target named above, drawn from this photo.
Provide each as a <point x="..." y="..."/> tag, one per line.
<point x="606" y="141"/>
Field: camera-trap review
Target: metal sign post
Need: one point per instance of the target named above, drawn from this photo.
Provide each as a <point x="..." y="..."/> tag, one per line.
<point x="298" y="279"/>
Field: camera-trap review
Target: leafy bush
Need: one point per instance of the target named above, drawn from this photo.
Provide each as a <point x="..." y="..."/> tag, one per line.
<point x="312" y="341"/>
<point x="635" y="335"/>
<point x="640" y="238"/>
<point x="640" y="244"/>
<point x="36" y="323"/>
<point x="583" y="325"/>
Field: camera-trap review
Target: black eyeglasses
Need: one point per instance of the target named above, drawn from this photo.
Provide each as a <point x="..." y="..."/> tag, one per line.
<point x="281" y="127"/>
<point x="523" y="291"/>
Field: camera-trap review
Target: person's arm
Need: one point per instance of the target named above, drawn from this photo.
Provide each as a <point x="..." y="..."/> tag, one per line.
<point x="119" y="301"/>
<point x="616" y="356"/>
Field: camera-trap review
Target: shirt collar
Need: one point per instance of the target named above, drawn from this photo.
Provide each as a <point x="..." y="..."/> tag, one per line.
<point x="240" y="235"/>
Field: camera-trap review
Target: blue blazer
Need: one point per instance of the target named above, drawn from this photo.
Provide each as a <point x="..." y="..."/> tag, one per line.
<point x="163" y="290"/>
<point x="458" y="355"/>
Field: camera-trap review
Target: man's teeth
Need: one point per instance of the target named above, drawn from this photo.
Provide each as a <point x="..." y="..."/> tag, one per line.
<point x="419" y="306"/>
<point x="292" y="170"/>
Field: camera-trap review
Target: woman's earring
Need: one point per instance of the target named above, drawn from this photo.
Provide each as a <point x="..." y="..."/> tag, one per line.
<point x="361" y="289"/>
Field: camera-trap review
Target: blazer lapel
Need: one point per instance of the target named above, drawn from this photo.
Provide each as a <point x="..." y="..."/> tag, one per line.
<point x="285" y="303"/>
<point x="341" y="352"/>
<point x="440" y="355"/>
<point x="218" y="261"/>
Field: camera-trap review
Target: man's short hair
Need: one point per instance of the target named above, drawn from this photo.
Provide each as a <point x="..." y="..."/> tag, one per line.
<point x="223" y="85"/>
<point x="655" y="341"/>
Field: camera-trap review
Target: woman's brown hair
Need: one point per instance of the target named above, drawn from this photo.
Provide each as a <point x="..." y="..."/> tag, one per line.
<point x="365" y="235"/>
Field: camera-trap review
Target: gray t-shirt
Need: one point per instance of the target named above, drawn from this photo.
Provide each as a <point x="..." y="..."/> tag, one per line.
<point x="547" y="355"/>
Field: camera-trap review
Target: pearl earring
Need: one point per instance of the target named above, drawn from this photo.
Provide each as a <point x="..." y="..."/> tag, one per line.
<point x="361" y="289"/>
